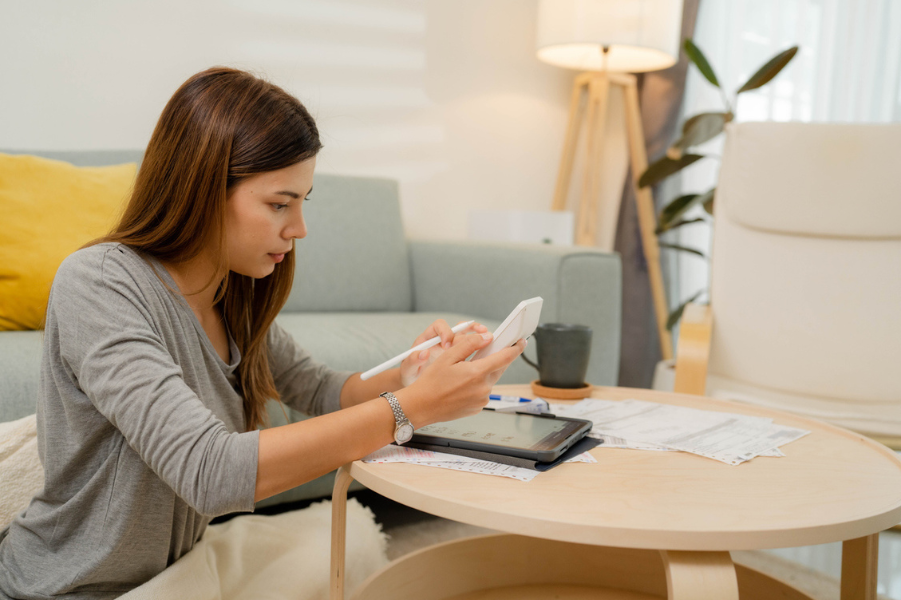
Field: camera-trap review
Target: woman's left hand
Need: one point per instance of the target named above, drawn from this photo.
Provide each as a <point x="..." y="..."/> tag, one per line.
<point x="413" y="366"/>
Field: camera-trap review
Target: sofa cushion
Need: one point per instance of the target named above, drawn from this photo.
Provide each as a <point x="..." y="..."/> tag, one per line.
<point x="20" y="370"/>
<point x="50" y="209"/>
<point x="360" y="341"/>
<point x="354" y="257"/>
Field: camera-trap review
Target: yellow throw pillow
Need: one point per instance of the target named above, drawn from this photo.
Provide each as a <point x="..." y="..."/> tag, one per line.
<point x="49" y="209"/>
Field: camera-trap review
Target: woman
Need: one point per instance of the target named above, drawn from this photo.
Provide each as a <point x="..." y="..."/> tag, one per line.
<point x="160" y="352"/>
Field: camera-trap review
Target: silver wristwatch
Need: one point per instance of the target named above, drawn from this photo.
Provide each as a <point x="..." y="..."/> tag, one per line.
<point x="403" y="429"/>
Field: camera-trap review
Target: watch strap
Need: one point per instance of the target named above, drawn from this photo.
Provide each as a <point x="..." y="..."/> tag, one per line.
<point x="399" y="416"/>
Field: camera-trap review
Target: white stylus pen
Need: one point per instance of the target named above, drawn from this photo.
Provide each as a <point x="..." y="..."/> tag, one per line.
<point x="400" y="357"/>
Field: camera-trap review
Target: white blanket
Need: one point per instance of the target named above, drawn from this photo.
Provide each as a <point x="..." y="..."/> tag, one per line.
<point x="283" y="556"/>
<point x="21" y="473"/>
<point x="249" y="557"/>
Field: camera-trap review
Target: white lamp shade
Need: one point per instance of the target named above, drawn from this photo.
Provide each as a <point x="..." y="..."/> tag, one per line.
<point x="642" y="35"/>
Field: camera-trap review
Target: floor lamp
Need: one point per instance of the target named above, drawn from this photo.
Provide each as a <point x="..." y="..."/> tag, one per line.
<point x="608" y="40"/>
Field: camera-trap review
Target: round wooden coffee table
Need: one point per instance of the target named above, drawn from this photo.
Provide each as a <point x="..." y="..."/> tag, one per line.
<point x="639" y="524"/>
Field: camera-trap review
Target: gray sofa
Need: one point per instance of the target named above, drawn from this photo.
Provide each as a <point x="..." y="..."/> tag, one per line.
<point x="363" y="291"/>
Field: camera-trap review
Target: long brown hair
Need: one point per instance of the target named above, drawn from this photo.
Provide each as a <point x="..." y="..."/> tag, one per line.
<point x="221" y="126"/>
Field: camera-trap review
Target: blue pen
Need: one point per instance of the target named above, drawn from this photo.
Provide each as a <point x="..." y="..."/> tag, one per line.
<point x="509" y="398"/>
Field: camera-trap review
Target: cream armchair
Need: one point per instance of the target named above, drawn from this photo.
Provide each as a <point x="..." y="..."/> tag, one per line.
<point x="805" y="311"/>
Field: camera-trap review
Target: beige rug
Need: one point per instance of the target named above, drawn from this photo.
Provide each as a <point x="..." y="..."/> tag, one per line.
<point x="407" y="537"/>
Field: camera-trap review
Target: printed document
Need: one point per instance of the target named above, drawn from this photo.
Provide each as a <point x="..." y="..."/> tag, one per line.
<point x="726" y="437"/>
<point x="428" y="458"/>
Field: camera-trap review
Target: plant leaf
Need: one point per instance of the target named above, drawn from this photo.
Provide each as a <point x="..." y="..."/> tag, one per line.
<point x="708" y="205"/>
<point x="701" y="128"/>
<point x="665" y="167"/>
<point x="660" y="229"/>
<point x="707" y="198"/>
<point x="677" y="314"/>
<point x="678" y="207"/>
<point x="697" y="57"/>
<point x="675" y="209"/>
<point x="682" y="249"/>
<point x="765" y="73"/>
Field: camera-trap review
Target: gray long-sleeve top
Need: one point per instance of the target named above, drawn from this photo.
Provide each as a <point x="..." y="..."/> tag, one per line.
<point x="140" y="430"/>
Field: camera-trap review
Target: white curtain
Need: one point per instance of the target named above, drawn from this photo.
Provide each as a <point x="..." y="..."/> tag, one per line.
<point x="848" y="69"/>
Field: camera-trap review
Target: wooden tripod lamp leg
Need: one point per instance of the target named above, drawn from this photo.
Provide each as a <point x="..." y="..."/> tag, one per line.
<point x="597" y="120"/>
<point x="576" y="110"/>
<point x="598" y="85"/>
<point x="647" y="220"/>
<point x="597" y="109"/>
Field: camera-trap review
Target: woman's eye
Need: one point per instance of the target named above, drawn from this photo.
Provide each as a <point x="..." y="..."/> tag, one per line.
<point x="307" y="199"/>
<point x="279" y="206"/>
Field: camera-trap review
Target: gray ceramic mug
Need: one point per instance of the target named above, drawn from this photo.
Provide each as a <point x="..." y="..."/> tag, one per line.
<point x="563" y="352"/>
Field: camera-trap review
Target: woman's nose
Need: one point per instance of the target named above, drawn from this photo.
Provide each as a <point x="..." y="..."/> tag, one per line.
<point x="297" y="228"/>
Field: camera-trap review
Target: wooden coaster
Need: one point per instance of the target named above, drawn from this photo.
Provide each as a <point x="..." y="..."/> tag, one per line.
<point x="561" y="393"/>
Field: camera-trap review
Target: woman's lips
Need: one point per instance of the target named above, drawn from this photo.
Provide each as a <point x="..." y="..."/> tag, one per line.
<point x="277" y="257"/>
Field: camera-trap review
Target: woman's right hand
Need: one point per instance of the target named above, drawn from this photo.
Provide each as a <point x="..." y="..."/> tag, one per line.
<point x="452" y="387"/>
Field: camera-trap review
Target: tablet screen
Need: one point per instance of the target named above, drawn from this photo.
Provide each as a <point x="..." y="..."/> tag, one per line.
<point x="526" y="432"/>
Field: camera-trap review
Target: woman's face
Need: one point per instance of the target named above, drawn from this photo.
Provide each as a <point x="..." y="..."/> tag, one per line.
<point x="263" y="215"/>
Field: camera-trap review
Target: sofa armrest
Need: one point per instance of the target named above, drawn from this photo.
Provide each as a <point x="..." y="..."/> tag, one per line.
<point x="579" y="285"/>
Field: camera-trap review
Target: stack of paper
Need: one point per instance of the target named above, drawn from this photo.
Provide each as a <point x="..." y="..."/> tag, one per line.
<point x="392" y="453"/>
<point x="726" y="437"/>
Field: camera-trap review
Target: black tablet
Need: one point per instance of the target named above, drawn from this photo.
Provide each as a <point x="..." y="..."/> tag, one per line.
<point x="536" y="437"/>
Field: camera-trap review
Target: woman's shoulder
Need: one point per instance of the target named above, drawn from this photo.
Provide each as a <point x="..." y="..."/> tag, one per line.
<point x="104" y="264"/>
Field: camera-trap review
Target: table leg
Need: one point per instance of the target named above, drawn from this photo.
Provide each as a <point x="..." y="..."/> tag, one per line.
<point x="699" y="575"/>
<point x="339" y="531"/>
<point x="860" y="561"/>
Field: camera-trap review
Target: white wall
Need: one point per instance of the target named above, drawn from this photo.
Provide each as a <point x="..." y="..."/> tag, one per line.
<point x="444" y="95"/>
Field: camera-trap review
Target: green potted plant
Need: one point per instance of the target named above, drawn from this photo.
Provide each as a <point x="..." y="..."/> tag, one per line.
<point x="697" y="130"/>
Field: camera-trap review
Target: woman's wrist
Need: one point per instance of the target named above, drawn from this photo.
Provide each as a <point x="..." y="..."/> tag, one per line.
<point x="413" y="407"/>
<point x="397" y="382"/>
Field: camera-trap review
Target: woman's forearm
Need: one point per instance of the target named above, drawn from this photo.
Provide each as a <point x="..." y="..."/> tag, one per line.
<point x="294" y="454"/>
<point x="357" y="391"/>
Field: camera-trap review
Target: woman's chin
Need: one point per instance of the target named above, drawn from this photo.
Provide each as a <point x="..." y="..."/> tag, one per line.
<point x="256" y="272"/>
<point x="264" y="272"/>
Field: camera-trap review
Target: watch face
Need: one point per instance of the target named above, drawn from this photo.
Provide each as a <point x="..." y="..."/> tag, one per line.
<point x="403" y="433"/>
